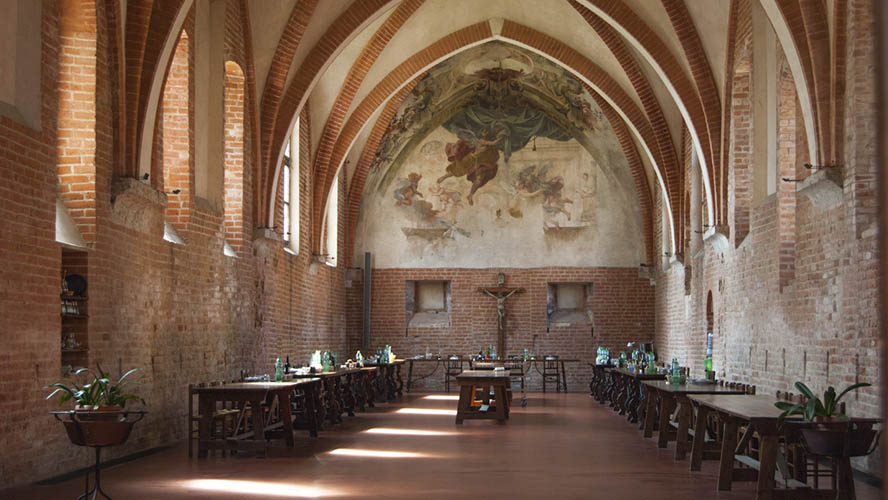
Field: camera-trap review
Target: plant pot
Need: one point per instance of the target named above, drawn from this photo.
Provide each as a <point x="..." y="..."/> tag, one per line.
<point x="98" y="432"/>
<point x="100" y="414"/>
<point x="828" y="439"/>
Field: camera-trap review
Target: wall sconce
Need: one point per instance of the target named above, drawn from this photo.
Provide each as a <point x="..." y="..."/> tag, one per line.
<point x="818" y="167"/>
<point x="174" y="191"/>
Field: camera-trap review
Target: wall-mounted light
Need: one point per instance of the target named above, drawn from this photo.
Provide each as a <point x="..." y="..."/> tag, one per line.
<point x="174" y="191"/>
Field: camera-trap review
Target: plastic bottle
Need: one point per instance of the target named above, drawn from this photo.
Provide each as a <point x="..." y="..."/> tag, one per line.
<point x="278" y="370"/>
<point x="676" y="375"/>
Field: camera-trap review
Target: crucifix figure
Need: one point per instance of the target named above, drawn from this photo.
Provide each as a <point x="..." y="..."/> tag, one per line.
<point x="500" y="293"/>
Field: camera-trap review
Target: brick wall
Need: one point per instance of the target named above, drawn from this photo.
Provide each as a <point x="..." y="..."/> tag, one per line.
<point x="622" y="305"/>
<point x="818" y="323"/>
<point x="182" y="313"/>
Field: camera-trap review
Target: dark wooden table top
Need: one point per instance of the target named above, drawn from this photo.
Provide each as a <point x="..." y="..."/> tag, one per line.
<point x="748" y="407"/>
<point x="692" y="388"/>
<point x="753" y="408"/>
<point x="254" y="386"/>
<point x="483" y="374"/>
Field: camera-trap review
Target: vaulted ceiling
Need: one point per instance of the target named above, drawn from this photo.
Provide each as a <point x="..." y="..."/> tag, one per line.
<point x="656" y="68"/>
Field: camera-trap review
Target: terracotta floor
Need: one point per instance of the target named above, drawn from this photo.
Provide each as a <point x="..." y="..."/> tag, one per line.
<point x="561" y="444"/>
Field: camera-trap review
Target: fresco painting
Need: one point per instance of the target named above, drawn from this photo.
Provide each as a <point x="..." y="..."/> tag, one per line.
<point x="500" y="150"/>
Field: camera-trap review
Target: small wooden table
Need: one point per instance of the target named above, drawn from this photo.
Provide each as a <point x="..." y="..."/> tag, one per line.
<point x="468" y="380"/>
<point x="254" y="393"/>
<point x="672" y="396"/>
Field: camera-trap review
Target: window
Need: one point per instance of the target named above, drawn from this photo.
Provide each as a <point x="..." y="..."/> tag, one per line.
<point x="290" y="169"/>
<point x="567" y="304"/>
<point x="427" y="304"/>
<point x="332" y="224"/>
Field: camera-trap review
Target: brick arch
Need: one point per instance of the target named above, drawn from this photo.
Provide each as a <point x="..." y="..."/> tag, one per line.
<point x="344" y="29"/>
<point x="359" y="177"/>
<point x="640" y="36"/>
<point x="651" y="106"/>
<point x="706" y="89"/>
<point x="353" y="81"/>
<point x="804" y="37"/>
<point x="76" y="142"/>
<point x="460" y="40"/>
<point x="738" y="145"/>
<point x="152" y="31"/>
<point x="234" y="154"/>
<point x="642" y="187"/>
<point x="275" y="80"/>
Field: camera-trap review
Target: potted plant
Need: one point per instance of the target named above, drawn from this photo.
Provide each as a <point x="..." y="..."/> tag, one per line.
<point x="100" y="399"/>
<point x="828" y="433"/>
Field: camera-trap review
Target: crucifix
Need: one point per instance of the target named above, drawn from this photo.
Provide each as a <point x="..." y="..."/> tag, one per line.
<point x="500" y="293"/>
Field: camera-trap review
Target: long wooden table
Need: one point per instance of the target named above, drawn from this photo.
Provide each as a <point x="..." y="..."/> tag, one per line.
<point x="760" y="416"/>
<point x="626" y="392"/>
<point x="255" y="394"/>
<point x="672" y="396"/>
<point x="468" y="380"/>
<point x="389" y="383"/>
<point x="340" y="389"/>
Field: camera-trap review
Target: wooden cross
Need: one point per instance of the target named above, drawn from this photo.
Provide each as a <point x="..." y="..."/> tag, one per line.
<point x="500" y="293"/>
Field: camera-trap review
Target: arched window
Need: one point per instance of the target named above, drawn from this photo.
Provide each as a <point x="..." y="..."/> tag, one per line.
<point x="290" y="188"/>
<point x="332" y="223"/>
<point x="178" y="176"/>
<point x="234" y="155"/>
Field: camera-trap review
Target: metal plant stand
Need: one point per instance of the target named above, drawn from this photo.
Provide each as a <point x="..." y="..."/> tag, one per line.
<point x="98" y="429"/>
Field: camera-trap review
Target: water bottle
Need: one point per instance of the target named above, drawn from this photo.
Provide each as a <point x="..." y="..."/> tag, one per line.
<point x="707" y="363"/>
<point x="676" y="375"/>
<point x="526" y="354"/>
<point x="278" y="370"/>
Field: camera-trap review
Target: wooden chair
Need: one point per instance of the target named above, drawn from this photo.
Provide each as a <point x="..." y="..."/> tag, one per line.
<point x="224" y="415"/>
<point x="452" y="368"/>
<point x="551" y="370"/>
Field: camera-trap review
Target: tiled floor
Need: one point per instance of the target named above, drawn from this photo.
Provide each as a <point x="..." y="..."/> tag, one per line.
<point x="559" y="445"/>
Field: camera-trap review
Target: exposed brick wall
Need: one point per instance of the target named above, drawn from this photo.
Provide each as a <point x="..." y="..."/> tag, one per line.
<point x="820" y="325"/>
<point x="234" y="155"/>
<point x="183" y="313"/>
<point x="176" y="133"/>
<point x="622" y="304"/>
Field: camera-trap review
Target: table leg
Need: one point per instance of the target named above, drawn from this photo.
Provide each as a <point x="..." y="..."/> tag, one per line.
<point x="206" y="404"/>
<point x="502" y="402"/>
<point x="667" y="404"/>
<point x="563" y="377"/>
<point x="258" y="423"/>
<point x="726" y="464"/>
<point x="699" y="438"/>
<point x="650" y="411"/>
<point x="286" y="413"/>
<point x="768" y="464"/>
<point x="311" y="409"/>
<point x="462" y="407"/>
<point x="685" y="411"/>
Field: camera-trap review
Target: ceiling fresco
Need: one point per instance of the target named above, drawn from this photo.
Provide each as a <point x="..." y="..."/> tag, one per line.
<point x="500" y="158"/>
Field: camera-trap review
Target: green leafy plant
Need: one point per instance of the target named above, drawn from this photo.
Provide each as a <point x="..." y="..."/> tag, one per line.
<point x="814" y="407"/>
<point x="97" y="393"/>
